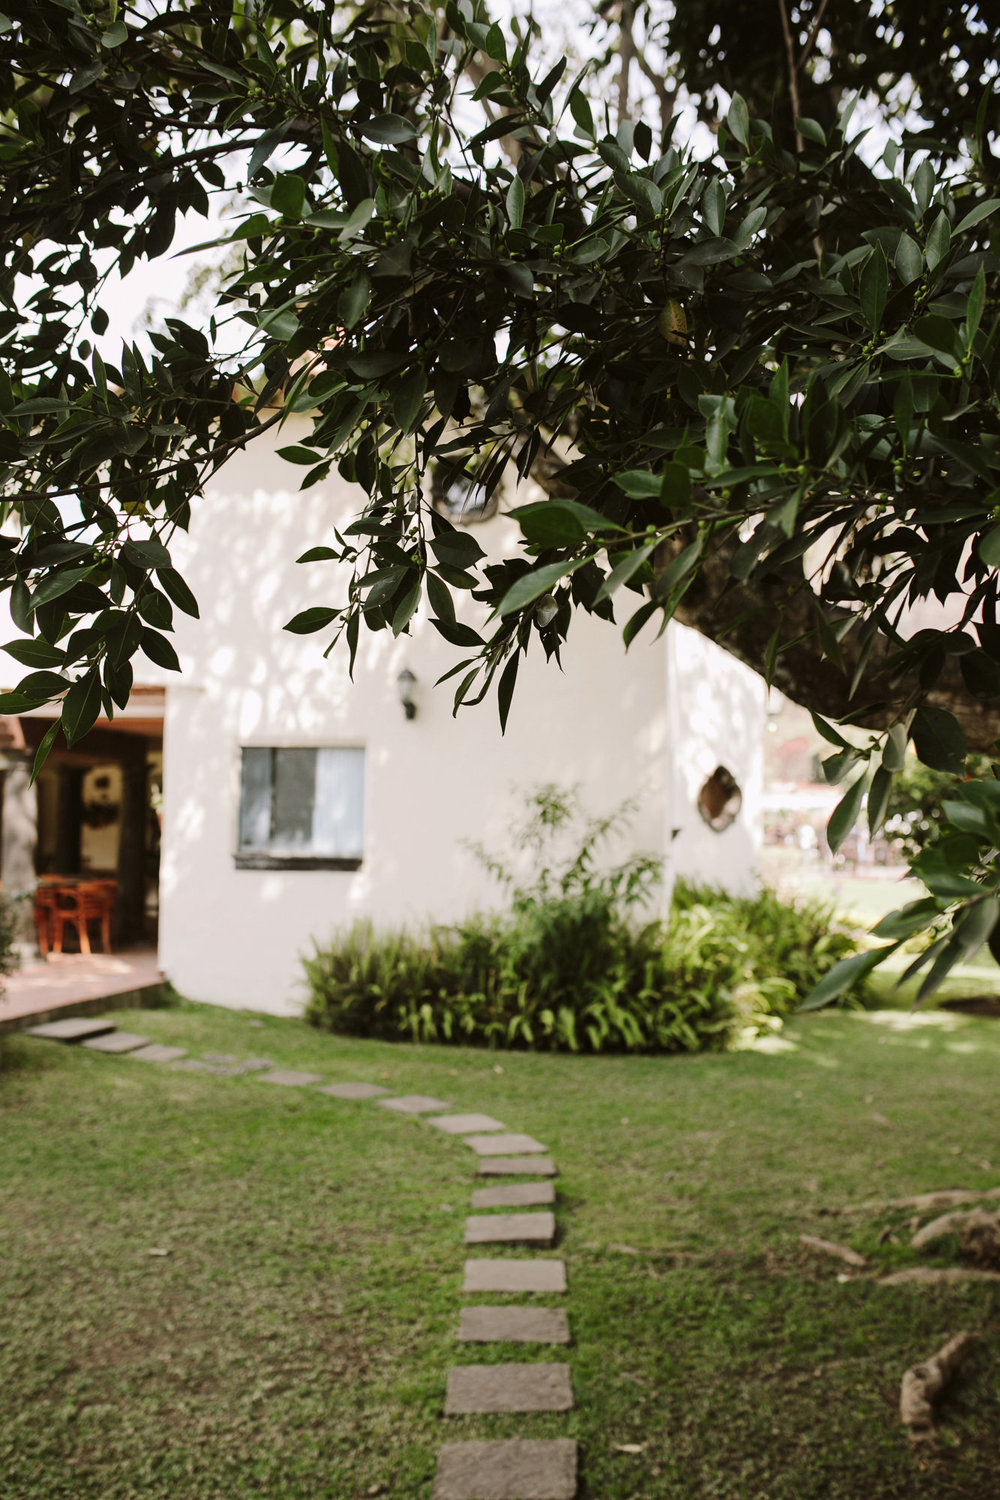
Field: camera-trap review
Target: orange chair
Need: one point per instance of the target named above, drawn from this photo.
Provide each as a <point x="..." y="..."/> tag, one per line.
<point x="88" y="901"/>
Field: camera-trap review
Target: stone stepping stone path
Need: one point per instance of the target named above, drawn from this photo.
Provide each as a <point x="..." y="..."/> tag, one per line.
<point x="354" y="1090"/>
<point x="415" y="1104"/>
<point x="73" y="1029"/>
<point x="502" y="1145"/>
<point x="462" y="1124"/>
<point x="517" y="1469"/>
<point x="515" y="1276"/>
<point x="115" y="1041"/>
<point x="158" y="1053"/>
<point x="515" y="1195"/>
<point x="509" y="1388"/>
<point x="287" y="1078"/>
<point x="516" y="1166"/>
<point x="510" y="1229"/>
<point x="512" y="1469"/>
<point x="518" y="1325"/>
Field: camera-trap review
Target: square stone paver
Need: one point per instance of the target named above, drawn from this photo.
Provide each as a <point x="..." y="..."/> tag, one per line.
<point x="462" y="1124"/>
<point x="116" y="1041"/>
<point x="515" y="1166"/>
<point x="515" y="1195"/>
<point x="73" y="1029"/>
<point x="503" y="1145"/>
<point x="510" y="1229"/>
<point x="515" y="1276"/>
<point x="198" y="1065"/>
<point x="520" y="1325"/>
<point x="414" y="1104"/>
<point x="518" y="1469"/>
<point x="487" y="1388"/>
<point x="288" y="1078"/>
<point x="254" y="1064"/>
<point x="157" y="1052"/>
<point x="354" y="1090"/>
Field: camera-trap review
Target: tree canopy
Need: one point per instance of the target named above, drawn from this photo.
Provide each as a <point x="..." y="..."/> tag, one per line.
<point x="758" y="384"/>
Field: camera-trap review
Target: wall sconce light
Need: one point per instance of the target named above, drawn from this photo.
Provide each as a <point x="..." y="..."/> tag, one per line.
<point x="405" y="684"/>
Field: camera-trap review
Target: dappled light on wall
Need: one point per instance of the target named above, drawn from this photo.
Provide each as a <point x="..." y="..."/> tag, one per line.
<point x="719" y="800"/>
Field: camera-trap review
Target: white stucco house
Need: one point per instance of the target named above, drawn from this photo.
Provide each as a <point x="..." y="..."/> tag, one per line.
<point x="291" y="800"/>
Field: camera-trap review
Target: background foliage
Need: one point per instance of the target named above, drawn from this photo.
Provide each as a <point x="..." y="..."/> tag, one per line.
<point x="576" y="961"/>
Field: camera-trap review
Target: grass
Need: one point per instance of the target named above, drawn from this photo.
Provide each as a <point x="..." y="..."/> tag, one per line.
<point x="294" y="1341"/>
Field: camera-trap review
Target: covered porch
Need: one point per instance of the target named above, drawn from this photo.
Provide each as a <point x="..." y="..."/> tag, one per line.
<point x="91" y="818"/>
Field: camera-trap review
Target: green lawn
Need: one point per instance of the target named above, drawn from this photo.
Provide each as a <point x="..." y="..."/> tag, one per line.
<point x="294" y="1340"/>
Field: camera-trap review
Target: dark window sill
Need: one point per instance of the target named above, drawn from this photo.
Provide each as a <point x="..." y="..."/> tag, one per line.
<point x="296" y="862"/>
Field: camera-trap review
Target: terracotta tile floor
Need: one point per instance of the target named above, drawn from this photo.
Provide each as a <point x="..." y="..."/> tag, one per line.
<point x="69" y="979"/>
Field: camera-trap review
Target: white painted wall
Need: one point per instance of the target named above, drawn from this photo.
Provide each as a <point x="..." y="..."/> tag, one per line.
<point x="234" y="936"/>
<point x="607" y="723"/>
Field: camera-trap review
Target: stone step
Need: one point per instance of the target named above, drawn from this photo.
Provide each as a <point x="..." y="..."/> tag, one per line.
<point x="515" y="1166"/>
<point x="72" y="1029"/>
<point x="519" y="1325"/>
<point x="354" y="1090"/>
<point x="515" y="1276"/>
<point x="115" y="1041"/>
<point x="510" y="1229"/>
<point x="494" y="1388"/>
<point x="158" y="1053"/>
<point x="289" y="1078"/>
<point x="414" y="1104"/>
<point x="514" y="1195"/>
<point x="504" y="1145"/>
<point x="462" y="1124"/>
<point x="517" y="1469"/>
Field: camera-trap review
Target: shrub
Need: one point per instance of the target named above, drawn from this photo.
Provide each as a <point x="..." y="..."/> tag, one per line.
<point x="574" y="962"/>
<point x="9" y="956"/>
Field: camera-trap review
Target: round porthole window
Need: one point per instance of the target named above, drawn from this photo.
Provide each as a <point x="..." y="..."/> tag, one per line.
<point x="720" y="800"/>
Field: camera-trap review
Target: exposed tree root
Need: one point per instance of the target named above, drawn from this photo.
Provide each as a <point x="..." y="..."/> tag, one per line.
<point x="923" y="1202"/>
<point x="923" y="1383"/>
<point x="935" y="1276"/>
<point x="978" y="1234"/>
<point x="839" y="1252"/>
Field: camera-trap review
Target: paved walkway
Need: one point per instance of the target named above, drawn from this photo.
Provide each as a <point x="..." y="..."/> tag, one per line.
<point x="74" y="983"/>
<point x="513" y="1469"/>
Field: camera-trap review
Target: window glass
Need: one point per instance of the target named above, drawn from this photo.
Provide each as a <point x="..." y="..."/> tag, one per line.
<point x="338" y="820"/>
<point x="307" y="802"/>
<point x="293" y="798"/>
<point x="255" y="799"/>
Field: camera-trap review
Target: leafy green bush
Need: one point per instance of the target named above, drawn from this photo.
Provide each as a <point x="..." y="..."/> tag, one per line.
<point x="9" y="957"/>
<point x="576" y="961"/>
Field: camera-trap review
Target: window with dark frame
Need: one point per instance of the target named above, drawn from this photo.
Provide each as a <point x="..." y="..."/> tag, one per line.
<point x="301" y="808"/>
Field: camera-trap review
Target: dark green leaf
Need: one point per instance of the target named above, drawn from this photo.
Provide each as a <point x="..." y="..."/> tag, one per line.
<point x="845" y="814"/>
<point x="457" y="549"/>
<point x="34" y="653"/>
<point x="909" y="260"/>
<point x="738" y="120"/>
<point x="533" y="585"/>
<point x="505" y="690"/>
<point x="388" y="130"/>
<point x="176" y="589"/>
<point x="624" y="569"/>
<point x="939" y="740"/>
<point x="843" y="975"/>
<point x="309" y="620"/>
<point x="878" y="799"/>
<point x="42" y="753"/>
<point x="159" y="649"/>
<point x="81" y="706"/>
<point x="288" y="195"/>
